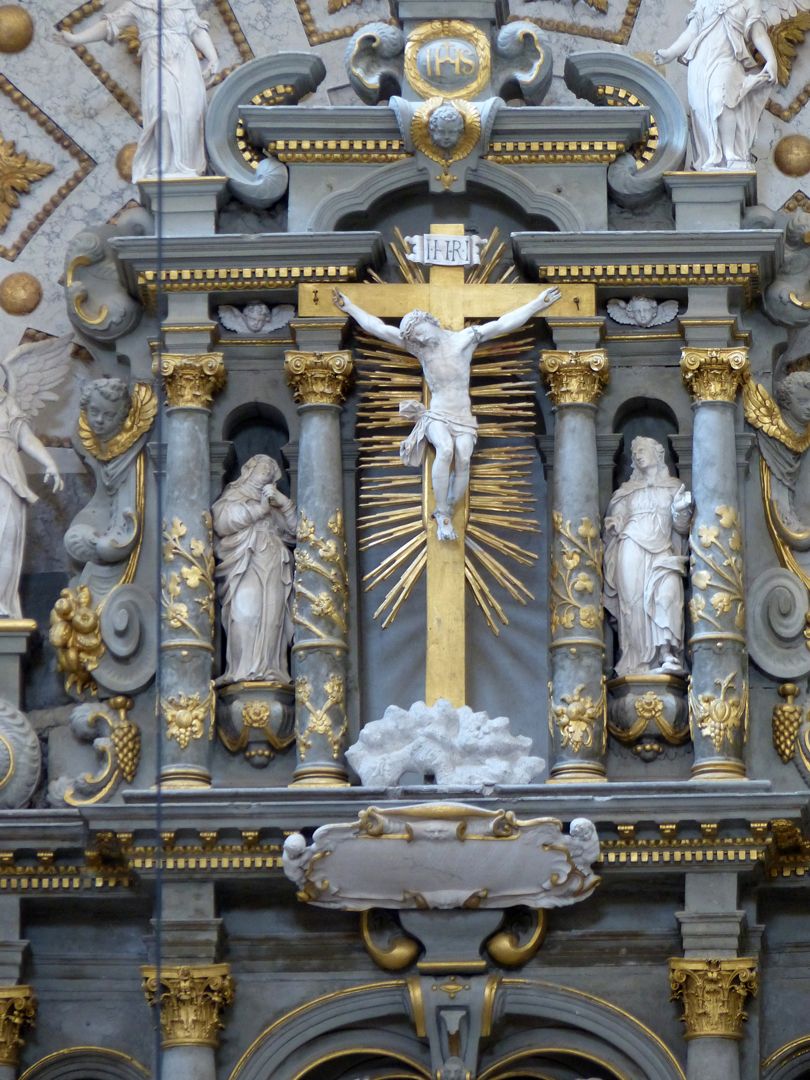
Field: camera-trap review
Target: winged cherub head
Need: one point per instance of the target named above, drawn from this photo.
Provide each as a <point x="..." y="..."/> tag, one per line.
<point x="106" y="404"/>
<point x="446" y="126"/>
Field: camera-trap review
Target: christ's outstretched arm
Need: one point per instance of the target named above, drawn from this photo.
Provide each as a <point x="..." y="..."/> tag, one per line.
<point x="513" y="320"/>
<point x="370" y="323"/>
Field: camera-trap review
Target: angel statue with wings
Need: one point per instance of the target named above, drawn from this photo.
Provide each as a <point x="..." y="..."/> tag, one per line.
<point x="28" y="379"/>
<point x="727" y="82"/>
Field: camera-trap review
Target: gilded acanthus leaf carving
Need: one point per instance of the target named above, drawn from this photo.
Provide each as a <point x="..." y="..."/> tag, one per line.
<point x="17" y="173"/>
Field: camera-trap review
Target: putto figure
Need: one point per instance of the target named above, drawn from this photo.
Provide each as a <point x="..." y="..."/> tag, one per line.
<point x="646" y="527"/>
<point x="181" y="109"/>
<point x="28" y="378"/>
<point x="254" y="529"/>
<point x="727" y="86"/>
<point x="447" y="423"/>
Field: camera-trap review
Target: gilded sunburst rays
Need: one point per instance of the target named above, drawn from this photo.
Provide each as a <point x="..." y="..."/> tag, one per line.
<point x="500" y="504"/>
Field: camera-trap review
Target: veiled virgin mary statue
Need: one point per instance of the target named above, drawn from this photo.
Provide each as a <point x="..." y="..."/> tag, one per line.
<point x="254" y="527"/>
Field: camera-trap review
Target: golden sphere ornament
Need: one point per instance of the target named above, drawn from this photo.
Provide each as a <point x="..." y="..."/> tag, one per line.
<point x="20" y="293"/>
<point x="791" y="155"/>
<point x="123" y="161"/>
<point x="16" y="28"/>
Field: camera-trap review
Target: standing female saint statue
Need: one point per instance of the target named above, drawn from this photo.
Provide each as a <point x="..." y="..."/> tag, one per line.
<point x="172" y="81"/>
<point x="254" y="529"/>
<point x="646" y="527"/>
<point x="447" y="423"/>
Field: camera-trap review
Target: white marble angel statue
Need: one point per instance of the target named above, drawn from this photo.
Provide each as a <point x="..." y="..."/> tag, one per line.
<point x="28" y="379"/>
<point x="646" y="527"/>
<point x="177" y="118"/>
<point x="254" y="530"/>
<point x="727" y="85"/>
<point x="448" y="423"/>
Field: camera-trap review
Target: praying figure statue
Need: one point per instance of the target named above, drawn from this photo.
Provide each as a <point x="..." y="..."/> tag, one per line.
<point x="254" y="530"/>
<point x="732" y="66"/>
<point x="172" y="81"/>
<point x="447" y="423"/>
<point x="646" y="529"/>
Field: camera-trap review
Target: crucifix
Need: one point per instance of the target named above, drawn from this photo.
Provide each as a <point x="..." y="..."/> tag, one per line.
<point x="433" y="308"/>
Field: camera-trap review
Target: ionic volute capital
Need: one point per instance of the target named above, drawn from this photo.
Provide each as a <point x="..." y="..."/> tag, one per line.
<point x="713" y="993"/>
<point x="714" y="374"/>
<point x="575" y="377"/>
<point x="18" y="1010"/>
<point x="319" y="378"/>
<point x="190" y="379"/>
<point x="191" y="1000"/>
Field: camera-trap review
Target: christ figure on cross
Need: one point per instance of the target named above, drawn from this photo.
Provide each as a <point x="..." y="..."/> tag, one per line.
<point x="447" y="423"/>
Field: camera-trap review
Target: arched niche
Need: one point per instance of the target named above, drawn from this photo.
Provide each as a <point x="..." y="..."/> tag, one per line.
<point x="86" y="1063"/>
<point x="789" y="1062"/>
<point x="649" y="418"/>
<point x="541" y="1030"/>
<point x="386" y="198"/>
<point x="257" y="427"/>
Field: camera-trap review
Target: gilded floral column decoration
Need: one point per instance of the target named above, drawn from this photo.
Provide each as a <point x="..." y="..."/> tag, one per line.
<point x="191" y="1000"/>
<point x="713" y="993"/>
<point x="577" y="702"/>
<point x="718" y="686"/>
<point x="18" y="1010"/>
<point x="320" y="382"/>
<point x="187" y="705"/>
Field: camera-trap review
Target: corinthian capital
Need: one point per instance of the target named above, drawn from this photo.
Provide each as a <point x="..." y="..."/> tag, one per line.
<point x="714" y="374"/>
<point x="191" y="1000"/>
<point x="575" y="378"/>
<point x="713" y="993"/>
<point x="18" y="1009"/>
<point x="191" y="379"/>
<point x="319" y="378"/>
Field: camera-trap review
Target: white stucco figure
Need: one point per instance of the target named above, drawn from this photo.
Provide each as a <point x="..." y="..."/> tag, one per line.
<point x="254" y="528"/>
<point x="28" y="378"/>
<point x="447" y="423"/>
<point x="646" y="527"/>
<point x="259" y="319"/>
<point x="181" y="110"/>
<point x="642" y="311"/>
<point x="727" y="86"/>
<point x="455" y="746"/>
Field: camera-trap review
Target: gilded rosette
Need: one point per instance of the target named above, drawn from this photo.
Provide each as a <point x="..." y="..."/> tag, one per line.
<point x="714" y="374"/>
<point x="191" y="379"/>
<point x="713" y="993"/>
<point x="575" y="378"/>
<point x="319" y="378"/>
<point x="190" y="1000"/>
<point x="18" y="1009"/>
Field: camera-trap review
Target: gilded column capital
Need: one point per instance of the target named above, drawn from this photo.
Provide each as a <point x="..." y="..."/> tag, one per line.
<point x="713" y="993"/>
<point x="319" y="378"/>
<point x="714" y="374"/>
<point x="575" y="378"/>
<point x="18" y="1009"/>
<point x="190" y="1000"/>
<point x="191" y="379"/>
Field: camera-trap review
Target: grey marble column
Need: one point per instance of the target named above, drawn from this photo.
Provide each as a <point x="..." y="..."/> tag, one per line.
<point x="187" y="566"/>
<point x="320" y="382"/>
<point x="577" y="704"/>
<point x="718" y="686"/>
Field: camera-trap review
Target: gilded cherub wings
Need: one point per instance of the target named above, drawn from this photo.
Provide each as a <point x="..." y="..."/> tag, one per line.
<point x="788" y="21"/>
<point x="762" y="413"/>
<point x="35" y="370"/>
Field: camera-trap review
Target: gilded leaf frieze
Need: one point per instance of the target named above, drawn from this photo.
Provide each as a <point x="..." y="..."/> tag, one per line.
<point x="192" y="585"/>
<point x="186" y="716"/>
<point x="576" y="575"/>
<point x="320" y="721"/>
<point x="17" y="173"/>
<point x="719" y="717"/>
<point x="717" y="574"/>
<point x="578" y="717"/>
<point x="324" y="557"/>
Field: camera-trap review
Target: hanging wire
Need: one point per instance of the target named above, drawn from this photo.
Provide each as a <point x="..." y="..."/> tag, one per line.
<point x="161" y="465"/>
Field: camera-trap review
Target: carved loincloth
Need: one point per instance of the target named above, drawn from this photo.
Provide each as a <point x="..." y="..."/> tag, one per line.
<point x="412" y="449"/>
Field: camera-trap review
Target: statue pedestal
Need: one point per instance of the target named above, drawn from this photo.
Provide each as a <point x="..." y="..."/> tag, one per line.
<point x="256" y="718"/>
<point x="646" y="712"/>
<point x="187" y="206"/>
<point x="709" y="201"/>
<point x="14" y="635"/>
